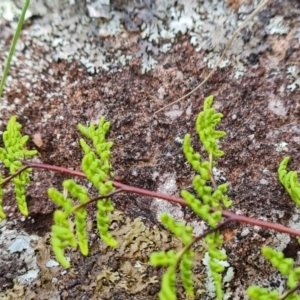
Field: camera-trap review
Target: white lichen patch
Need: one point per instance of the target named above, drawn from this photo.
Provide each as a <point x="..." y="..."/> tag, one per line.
<point x="294" y="75"/>
<point x="282" y="146"/>
<point x="219" y="175"/>
<point x="82" y="32"/>
<point x="17" y="251"/>
<point x="277" y="26"/>
<point x="167" y="186"/>
<point x="10" y="12"/>
<point x="240" y="70"/>
<point x="280" y="241"/>
<point x="52" y="263"/>
<point x="209" y="282"/>
<point x="198" y="227"/>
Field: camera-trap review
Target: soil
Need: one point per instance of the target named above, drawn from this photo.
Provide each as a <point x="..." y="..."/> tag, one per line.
<point x="261" y="118"/>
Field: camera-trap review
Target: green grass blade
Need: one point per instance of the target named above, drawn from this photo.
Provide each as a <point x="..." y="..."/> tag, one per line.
<point x="13" y="45"/>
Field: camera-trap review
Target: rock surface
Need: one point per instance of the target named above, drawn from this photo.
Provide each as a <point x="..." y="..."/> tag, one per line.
<point x="79" y="60"/>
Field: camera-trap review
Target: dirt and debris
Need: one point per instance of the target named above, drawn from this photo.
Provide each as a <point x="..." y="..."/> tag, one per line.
<point x="78" y="60"/>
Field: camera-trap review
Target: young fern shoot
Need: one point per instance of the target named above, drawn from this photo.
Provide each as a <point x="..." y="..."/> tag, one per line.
<point x="207" y="197"/>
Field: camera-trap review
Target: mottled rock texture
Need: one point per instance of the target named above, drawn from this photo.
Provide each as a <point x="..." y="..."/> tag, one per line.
<point x="78" y="60"/>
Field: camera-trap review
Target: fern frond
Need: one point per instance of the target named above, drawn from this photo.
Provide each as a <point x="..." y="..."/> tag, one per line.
<point x="210" y="198"/>
<point x="171" y="260"/>
<point x="97" y="167"/>
<point x="276" y="258"/>
<point x="168" y="283"/>
<point x="289" y="180"/>
<point x="214" y="241"/>
<point x="285" y="267"/>
<point x="257" y="293"/>
<point x="105" y="206"/>
<point x="294" y="278"/>
<point x="202" y="210"/>
<point x="178" y="228"/>
<point x="206" y="122"/>
<point x="98" y="138"/>
<point x="80" y="193"/>
<point x="62" y="234"/>
<point x="14" y="150"/>
<point x="194" y="158"/>
<point x="186" y="273"/>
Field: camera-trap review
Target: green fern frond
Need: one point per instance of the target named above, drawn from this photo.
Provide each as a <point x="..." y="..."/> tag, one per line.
<point x="202" y="210"/>
<point x="178" y="228"/>
<point x="186" y="273"/>
<point x="98" y="138"/>
<point x="184" y="232"/>
<point x="257" y="293"/>
<point x="14" y="150"/>
<point x="168" y="283"/>
<point x="97" y="167"/>
<point x="276" y="258"/>
<point x="206" y="122"/>
<point x="170" y="259"/>
<point x="80" y="193"/>
<point x="194" y="158"/>
<point x="289" y="180"/>
<point x="285" y="267"/>
<point x="105" y="206"/>
<point x="209" y="198"/>
<point x="62" y="234"/>
<point x="214" y="242"/>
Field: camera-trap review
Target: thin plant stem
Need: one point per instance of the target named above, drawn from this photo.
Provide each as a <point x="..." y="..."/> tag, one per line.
<point x="289" y="292"/>
<point x="144" y="192"/>
<point x="212" y="178"/>
<point x="9" y="178"/>
<point x="97" y="199"/>
<point x="13" y="45"/>
<point x="258" y="8"/>
<point x="201" y="236"/>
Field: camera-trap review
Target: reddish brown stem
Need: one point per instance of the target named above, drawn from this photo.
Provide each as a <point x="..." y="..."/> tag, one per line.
<point x="135" y="190"/>
<point x="97" y="199"/>
<point x="201" y="236"/>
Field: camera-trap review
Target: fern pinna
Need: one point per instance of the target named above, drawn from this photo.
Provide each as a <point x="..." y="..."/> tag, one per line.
<point x="208" y="204"/>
